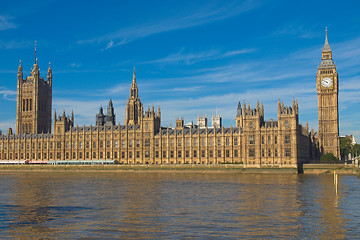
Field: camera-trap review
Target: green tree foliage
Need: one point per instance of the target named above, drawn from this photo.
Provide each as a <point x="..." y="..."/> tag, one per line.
<point x="355" y="150"/>
<point x="345" y="147"/>
<point x="329" y="158"/>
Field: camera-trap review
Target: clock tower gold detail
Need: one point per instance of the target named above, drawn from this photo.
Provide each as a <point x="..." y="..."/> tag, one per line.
<point x="327" y="85"/>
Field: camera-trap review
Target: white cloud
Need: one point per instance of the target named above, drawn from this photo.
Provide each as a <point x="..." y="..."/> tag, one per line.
<point x="187" y="58"/>
<point x="5" y="125"/>
<point x="14" y="44"/>
<point x="7" y="94"/>
<point x="297" y="30"/>
<point x="200" y="17"/>
<point x="109" y="45"/>
<point x="85" y="110"/>
<point x="239" y="52"/>
<point x="75" y="65"/>
<point x="190" y="58"/>
<point x="6" y="23"/>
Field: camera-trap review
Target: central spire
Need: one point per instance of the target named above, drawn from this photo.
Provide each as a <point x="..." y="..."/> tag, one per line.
<point x="326" y="45"/>
<point x="35" y="53"/>
<point x="36" y="66"/>
<point x="134" y="77"/>
<point x="134" y="88"/>
<point x="134" y="108"/>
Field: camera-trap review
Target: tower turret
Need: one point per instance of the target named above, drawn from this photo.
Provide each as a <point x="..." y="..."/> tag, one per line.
<point x="100" y="117"/>
<point x="110" y="115"/>
<point x="20" y="72"/>
<point x="239" y="116"/>
<point x="49" y="74"/>
<point x="239" y="112"/>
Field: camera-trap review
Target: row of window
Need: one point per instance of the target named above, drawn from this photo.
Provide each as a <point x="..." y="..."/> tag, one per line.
<point x="165" y="154"/>
<point x="270" y="153"/>
<point x="27" y="105"/>
<point x="131" y="143"/>
<point x="287" y="139"/>
<point x="137" y="154"/>
<point x="326" y="71"/>
<point x="137" y="143"/>
<point x="251" y="124"/>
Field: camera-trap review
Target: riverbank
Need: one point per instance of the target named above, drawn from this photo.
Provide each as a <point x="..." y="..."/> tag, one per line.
<point x="142" y="168"/>
<point x="236" y="168"/>
<point x="330" y="168"/>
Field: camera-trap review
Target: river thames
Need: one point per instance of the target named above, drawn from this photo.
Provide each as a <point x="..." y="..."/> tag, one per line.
<point x="149" y="205"/>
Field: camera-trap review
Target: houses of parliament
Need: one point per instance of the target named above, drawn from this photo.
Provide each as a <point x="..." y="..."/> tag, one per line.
<point x="254" y="142"/>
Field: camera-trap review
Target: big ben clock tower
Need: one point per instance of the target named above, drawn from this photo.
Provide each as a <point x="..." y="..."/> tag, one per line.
<point x="327" y="85"/>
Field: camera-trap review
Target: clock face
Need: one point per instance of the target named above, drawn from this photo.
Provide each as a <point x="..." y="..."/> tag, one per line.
<point x="326" y="82"/>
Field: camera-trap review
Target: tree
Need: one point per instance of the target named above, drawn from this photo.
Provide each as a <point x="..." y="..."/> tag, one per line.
<point x="345" y="147"/>
<point x="329" y="158"/>
<point x="355" y="151"/>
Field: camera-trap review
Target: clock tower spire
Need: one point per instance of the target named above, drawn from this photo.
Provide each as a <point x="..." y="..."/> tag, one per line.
<point x="327" y="86"/>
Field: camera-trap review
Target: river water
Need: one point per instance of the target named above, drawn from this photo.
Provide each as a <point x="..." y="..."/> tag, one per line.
<point x="177" y="206"/>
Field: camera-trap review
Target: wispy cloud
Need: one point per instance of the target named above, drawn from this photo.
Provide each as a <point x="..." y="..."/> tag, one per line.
<point x="14" y="44"/>
<point x="190" y="58"/>
<point x="226" y="103"/>
<point x="187" y="58"/>
<point x="118" y="89"/>
<point x="239" y="52"/>
<point x="298" y="30"/>
<point x="5" y="125"/>
<point x="109" y="45"/>
<point x="7" y="94"/>
<point x="85" y="110"/>
<point x="6" y="22"/>
<point x="74" y="65"/>
<point x="211" y="13"/>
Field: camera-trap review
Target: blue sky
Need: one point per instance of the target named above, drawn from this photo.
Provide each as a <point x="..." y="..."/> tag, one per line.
<point x="191" y="57"/>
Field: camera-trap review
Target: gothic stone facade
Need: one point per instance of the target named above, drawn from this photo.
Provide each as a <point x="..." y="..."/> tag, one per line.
<point x="274" y="143"/>
<point x="141" y="140"/>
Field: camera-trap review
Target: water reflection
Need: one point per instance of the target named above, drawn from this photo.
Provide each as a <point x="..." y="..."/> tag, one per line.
<point x="28" y="212"/>
<point x="332" y="223"/>
<point x="181" y="205"/>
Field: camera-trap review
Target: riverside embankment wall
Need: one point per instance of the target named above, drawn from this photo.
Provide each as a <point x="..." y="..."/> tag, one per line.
<point x="234" y="168"/>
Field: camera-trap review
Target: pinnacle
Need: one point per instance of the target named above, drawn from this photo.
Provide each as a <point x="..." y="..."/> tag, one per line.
<point x="20" y="67"/>
<point x="326" y="45"/>
<point x="134" y="77"/>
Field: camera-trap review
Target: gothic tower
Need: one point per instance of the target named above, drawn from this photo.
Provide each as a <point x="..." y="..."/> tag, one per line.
<point x="34" y="101"/>
<point x="134" y="107"/>
<point x="239" y="116"/>
<point x="100" y="117"/>
<point x="327" y="85"/>
<point x="110" y="115"/>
